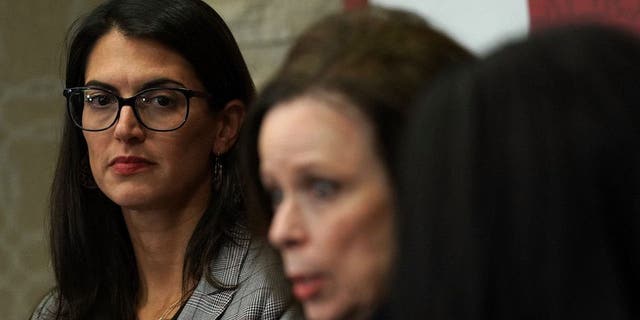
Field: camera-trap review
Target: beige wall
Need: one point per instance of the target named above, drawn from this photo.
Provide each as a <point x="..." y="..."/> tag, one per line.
<point x="264" y="29"/>
<point x="31" y="106"/>
<point x="31" y="109"/>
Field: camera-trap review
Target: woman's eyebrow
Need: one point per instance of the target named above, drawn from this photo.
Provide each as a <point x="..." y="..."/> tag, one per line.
<point x="160" y="82"/>
<point x="100" y="84"/>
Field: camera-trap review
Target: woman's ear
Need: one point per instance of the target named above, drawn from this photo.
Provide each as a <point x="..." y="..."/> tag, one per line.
<point x="231" y="118"/>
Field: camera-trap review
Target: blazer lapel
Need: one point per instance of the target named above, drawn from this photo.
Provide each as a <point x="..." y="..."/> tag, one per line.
<point x="207" y="301"/>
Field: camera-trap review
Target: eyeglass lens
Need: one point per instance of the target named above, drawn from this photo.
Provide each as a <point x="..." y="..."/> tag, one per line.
<point x="157" y="109"/>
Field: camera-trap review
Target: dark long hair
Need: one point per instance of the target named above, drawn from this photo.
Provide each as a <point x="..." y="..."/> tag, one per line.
<point x="374" y="58"/>
<point x="520" y="185"/>
<point x="92" y="255"/>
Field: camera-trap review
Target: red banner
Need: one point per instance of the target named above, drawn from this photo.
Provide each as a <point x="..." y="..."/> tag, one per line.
<point x="622" y="13"/>
<point x="353" y="4"/>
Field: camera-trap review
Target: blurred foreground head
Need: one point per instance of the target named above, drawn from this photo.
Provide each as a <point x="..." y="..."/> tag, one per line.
<point x="320" y="143"/>
<point x="520" y="185"/>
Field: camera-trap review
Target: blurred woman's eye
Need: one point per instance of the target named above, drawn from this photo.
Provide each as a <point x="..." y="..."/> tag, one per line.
<point x="323" y="189"/>
<point x="275" y="195"/>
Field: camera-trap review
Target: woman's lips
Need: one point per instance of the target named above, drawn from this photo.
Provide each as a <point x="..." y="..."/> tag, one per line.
<point x="129" y="165"/>
<point x="306" y="287"/>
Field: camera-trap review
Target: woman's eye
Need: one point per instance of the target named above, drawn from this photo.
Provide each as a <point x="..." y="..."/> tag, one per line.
<point x="323" y="189"/>
<point x="163" y="101"/>
<point x="275" y="196"/>
<point x="99" y="100"/>
<point x="160" y="98"/>
<point x="159" y="101"/>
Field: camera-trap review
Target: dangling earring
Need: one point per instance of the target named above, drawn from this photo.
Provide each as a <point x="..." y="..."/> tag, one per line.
<point x="217" y="171"/>
<point x="86" y="177"/>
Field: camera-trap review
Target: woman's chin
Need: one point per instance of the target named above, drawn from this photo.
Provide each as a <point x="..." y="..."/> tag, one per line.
<point x="315" y="311"/>
<point x="334" y="310"/>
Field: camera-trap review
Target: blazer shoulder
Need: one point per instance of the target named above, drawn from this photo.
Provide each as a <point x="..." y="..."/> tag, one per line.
<point x="47" y="308"/>
<point x="263" y="286"/>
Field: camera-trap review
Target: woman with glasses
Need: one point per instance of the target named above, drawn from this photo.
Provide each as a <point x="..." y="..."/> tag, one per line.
<point x="147" y="219"/>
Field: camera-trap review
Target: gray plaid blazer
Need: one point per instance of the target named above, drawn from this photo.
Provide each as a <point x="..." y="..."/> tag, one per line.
<point x="253" y="272"/>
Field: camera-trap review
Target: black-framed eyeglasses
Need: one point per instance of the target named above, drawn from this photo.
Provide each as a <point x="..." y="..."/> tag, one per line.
<point x="158" y="109"/>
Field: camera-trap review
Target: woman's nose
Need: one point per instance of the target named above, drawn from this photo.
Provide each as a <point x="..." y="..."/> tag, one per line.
<point x="288" y="228"/>
<point x="128" y="128"/>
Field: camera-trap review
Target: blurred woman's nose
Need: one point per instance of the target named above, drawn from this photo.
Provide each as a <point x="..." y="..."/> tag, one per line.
<point x="128" y="128"/>
<point x="288" y="228"/>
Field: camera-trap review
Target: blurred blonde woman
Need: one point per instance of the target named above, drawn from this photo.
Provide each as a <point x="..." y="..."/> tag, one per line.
<point x="320" y="145"/>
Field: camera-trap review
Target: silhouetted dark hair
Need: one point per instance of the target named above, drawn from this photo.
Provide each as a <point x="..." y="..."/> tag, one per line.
<point x="519" y="193"/>
<point x="374" y="58"/>
<point x="93" y="260"/>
